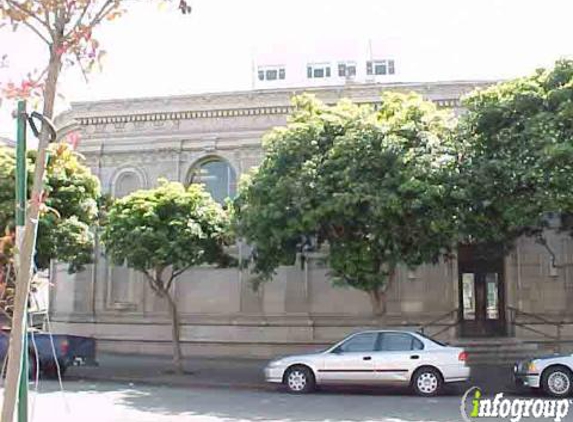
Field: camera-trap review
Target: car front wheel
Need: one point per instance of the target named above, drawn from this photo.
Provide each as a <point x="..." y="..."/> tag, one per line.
<point x="557" y="382"/>
<point x="427" y="382"/>
<point x="299" y="380"/>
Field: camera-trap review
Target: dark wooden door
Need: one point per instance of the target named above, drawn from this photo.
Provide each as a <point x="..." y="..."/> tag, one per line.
<point x="482" y="293"/>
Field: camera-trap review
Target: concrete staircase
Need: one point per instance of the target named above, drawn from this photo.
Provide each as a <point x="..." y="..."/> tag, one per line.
<point x="497" y="351"/>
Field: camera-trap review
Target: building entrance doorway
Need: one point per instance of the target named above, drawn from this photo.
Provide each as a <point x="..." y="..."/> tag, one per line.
<point x="482" y="291"/>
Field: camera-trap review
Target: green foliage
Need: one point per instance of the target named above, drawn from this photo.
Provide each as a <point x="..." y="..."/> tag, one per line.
<point x="166" y="227"/>
<point x="7" y="188"/>
<point x="516" y="144"/>
<point x="69" y="211"/>
<point x="370" y="184"/>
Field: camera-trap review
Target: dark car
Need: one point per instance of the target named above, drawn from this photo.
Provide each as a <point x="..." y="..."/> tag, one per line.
<point x="53" y="351"/>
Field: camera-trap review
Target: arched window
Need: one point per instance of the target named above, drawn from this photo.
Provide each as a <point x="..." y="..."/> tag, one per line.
<point x="126" y="183"/>
<point x="218" y="177"/>
<point x="121" y="280"/>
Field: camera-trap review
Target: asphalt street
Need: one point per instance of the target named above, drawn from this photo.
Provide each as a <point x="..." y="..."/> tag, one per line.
<point x="88" y="401"/>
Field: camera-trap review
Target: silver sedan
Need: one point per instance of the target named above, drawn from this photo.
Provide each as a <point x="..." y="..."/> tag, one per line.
<point x="553" y="374"/>
<point x="374" y="357"/>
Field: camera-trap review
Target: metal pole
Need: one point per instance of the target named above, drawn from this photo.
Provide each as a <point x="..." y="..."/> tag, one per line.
<point x="21" y="190"/>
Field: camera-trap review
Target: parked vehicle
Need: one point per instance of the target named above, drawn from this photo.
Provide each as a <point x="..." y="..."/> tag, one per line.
<point x="380" y="357"/>
<point x="553" y="374"/>
<point x="68" y="350"/>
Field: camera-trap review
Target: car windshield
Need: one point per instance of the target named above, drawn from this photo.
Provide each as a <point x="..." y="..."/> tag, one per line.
<point x="433" y="340"/>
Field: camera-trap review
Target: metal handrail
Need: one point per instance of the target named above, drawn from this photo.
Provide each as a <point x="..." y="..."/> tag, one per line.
<point x="526" y="325"/>
<point x="435" y="322"/>
<point x="535" y="316"/>
<point x="446" y="328"/>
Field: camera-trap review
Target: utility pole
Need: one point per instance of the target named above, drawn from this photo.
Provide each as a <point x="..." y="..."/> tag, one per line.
<point x="21" y="190"/>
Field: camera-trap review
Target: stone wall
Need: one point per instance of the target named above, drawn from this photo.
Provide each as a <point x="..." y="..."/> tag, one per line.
<point x="218" y="307"/>
<point x="130" y="144"/>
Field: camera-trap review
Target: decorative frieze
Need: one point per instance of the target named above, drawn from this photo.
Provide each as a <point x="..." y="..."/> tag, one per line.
<point x="159" y="118"/>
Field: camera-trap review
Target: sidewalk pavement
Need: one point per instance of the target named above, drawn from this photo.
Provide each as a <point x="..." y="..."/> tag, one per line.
<point x="240" y="373"/>
<point x="221" y="372"/>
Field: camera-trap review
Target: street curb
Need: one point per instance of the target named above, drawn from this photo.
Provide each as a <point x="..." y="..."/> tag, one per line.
<point x="176" y="383"/>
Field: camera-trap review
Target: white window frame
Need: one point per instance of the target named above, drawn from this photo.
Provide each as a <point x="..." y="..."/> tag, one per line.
<point x="266" y="69"/>
<point x="346" y="64"/>
<point x="313" y="67"/>
<point x="388" y="63"/>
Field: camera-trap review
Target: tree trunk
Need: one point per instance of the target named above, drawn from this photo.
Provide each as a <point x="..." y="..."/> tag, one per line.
<point x="24" y="272"/>
<point x="177" y="355"/>
<point x="378" y="295"/>
<point x="378" y="301"/>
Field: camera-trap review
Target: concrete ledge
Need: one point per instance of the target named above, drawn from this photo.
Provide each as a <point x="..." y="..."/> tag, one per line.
<point x="262" y="340"/>
<point x="211" y="349"/>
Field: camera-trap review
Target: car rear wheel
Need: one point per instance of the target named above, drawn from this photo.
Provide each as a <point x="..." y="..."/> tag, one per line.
<point x="51" y="370"/>
<point x="32" y="367"/>
<point x="299" y="380"/>
<point x="557" y="382"/>
<point x="427" y="382"/>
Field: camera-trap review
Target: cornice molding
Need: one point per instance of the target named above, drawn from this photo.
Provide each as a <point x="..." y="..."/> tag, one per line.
<point x="164" y="112"/>
<point x="119" y="120"/>
<point x="183" y="115"/>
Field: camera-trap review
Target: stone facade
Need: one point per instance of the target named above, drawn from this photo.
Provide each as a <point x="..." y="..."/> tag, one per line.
<point x="130" y="144"/>
<point x="5" y="142"/>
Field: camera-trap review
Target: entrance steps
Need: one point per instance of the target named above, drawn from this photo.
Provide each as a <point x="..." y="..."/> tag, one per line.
<point x="497" y="350"/>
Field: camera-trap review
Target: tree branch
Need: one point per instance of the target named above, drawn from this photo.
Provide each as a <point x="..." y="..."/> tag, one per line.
<point x="84" y="73"/>
<point x="176" y="274"/>
<point x="27" y="12"/>
<point x="153" y="284"/>
<point x="391" y="274"/>
<point x="78" y="20"/>
<point x="102" y="13"/>
<point x="48" y="23"/>
<point x="28" y="24"/>
<point x="543" y="242"/>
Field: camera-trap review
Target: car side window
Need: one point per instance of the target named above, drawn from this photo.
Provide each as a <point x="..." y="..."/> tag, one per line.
<point x="364" y="342"/>
<point x="417" y="344"/>
<point x="400" y="342"/>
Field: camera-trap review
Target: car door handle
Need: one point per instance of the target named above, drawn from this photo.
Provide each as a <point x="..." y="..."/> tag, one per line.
<point x="367" y="358"/>
<point x="414" y="357"/>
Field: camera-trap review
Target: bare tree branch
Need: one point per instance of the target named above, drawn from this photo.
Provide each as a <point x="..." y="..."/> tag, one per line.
<point x="28" y="13"/>
<point x="78" y="20"/>
<point x="107" y="7"/>
<point x="28" y="24"/>
<point x="49" y="23"/>
<point x="80" y="64"/>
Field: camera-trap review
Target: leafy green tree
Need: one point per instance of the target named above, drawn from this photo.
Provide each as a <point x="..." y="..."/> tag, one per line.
<point x="516" y="149"/>
<point x="370" y="184"/>
<point x="69" y="210"/>
<point x="163" y="232"/>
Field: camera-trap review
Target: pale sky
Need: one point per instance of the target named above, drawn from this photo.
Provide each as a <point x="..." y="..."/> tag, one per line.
<point x="156" y="52"/>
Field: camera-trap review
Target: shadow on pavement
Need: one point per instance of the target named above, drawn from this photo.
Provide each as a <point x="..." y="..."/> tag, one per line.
<point x="237" y="373"/>
<point x="329" y="404"/>
<point x="234" y="389"/>
<point x="230" y="400"/>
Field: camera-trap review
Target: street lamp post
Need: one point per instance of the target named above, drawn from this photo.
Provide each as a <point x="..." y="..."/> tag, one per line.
<point x="21" y="190"/>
